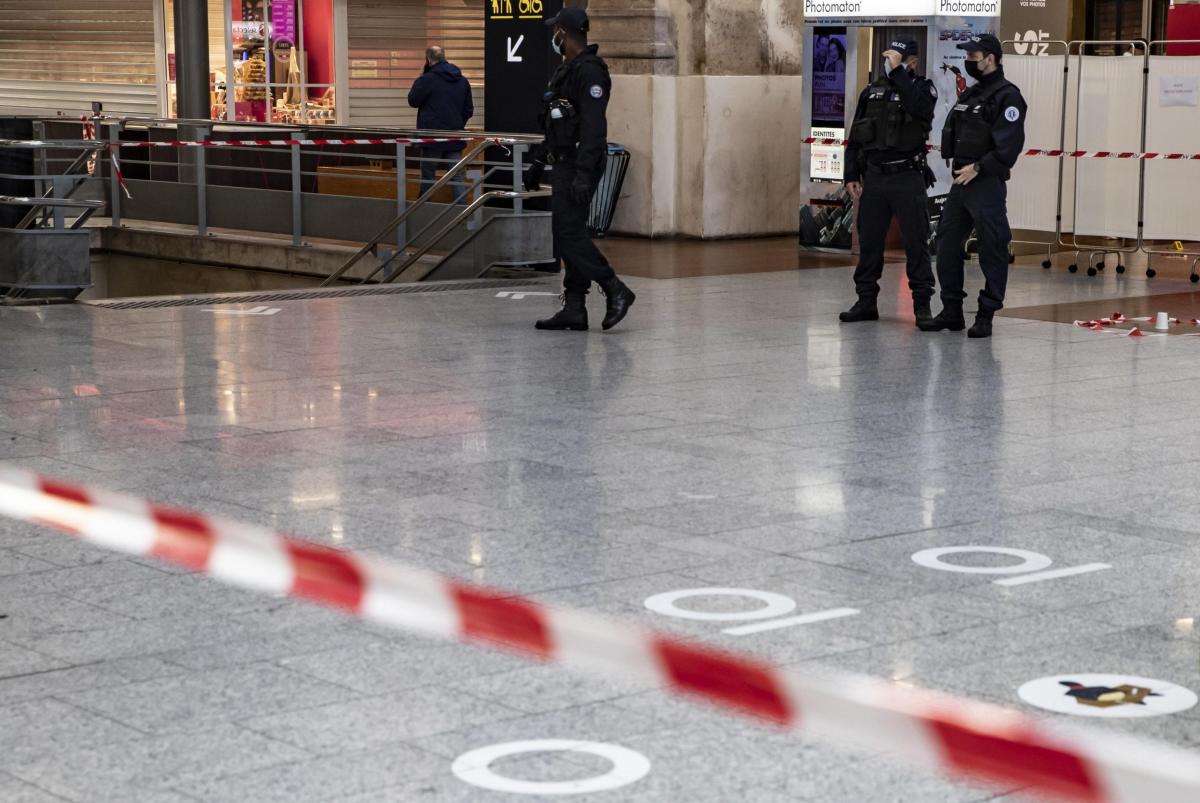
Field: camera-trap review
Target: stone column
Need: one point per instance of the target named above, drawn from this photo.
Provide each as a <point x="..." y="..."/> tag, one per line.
<point x="706" y="95"/>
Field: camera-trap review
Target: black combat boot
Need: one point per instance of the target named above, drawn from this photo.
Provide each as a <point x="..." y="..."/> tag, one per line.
<point x="865" y="309"/>
<point x="950" y="319"/>
<point x="620" y="299"/>
<point x="983" y="324"/>
<point x="922" y="313"/>
<point x="572" y="317"/>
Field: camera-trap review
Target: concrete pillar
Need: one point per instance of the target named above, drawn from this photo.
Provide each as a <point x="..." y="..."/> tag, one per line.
<point x="191" y="59"/>
<point x="706" y="94"/>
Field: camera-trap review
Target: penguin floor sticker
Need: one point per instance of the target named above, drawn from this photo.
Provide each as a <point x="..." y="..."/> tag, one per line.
<point x="1090" y="695"/>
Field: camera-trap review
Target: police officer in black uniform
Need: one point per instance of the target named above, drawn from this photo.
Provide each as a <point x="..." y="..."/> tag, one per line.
<point x="576" y="145"/>
<point x="887" y="175"/>
<point x="983" y="137"/>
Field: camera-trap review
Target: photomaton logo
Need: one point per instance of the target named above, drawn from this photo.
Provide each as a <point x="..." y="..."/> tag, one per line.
<point x="1031" y="43"/>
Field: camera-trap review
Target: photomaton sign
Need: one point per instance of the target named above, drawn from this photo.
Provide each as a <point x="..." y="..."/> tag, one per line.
<point x="853" y="9"/>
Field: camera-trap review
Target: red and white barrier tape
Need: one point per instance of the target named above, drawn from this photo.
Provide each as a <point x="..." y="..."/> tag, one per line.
<point x="1053" y="152"/>
<point x="261" y="143"/>
<point x="1116" y="319"/>
<point x="962" y="738"/>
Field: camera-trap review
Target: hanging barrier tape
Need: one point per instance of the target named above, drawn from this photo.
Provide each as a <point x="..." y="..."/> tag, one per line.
<point x="963" y="738"/>
<point x="280" y="143"/>
<point x="1053" y="152"/>
<point x="253" y="143"/>
<point x="1116" y="319"/>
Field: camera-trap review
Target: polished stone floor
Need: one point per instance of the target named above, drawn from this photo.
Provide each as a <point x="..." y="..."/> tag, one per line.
<point x="731" y="435"/>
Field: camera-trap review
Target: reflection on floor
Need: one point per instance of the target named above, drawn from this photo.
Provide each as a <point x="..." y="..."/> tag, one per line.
<point x="730" y="434"/>
<point x="681" y="259"/>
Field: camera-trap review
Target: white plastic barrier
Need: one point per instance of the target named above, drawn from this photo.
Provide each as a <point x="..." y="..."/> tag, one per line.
<point x="1172" y="125"/>
<point x="1108" y="105"/>
<point x="1033" y="191"/>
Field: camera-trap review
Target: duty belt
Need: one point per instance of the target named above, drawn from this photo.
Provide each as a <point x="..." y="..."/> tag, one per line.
<point x="900" y="166"/>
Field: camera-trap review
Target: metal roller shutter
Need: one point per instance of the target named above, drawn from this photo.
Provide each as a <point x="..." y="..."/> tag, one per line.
<point x="387" y="41"/>
<point x="60" y="55"/>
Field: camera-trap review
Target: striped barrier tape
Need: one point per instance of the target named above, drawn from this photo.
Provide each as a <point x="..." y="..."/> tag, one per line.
<point x="963" y="738"/>
<point x="253" y="143"/>
<point x="1053" y="152"/>
<point x="276" y="143"/>
<point x="1104" y="324"/>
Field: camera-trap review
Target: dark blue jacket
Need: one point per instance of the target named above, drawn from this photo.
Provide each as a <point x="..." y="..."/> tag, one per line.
<point x="442" y="97"/>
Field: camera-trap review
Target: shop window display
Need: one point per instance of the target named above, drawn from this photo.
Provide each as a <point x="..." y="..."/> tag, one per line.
<point x="272" y="61"/>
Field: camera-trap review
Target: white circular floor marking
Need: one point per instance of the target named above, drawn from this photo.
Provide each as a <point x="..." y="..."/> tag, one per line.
<point x="1092" y="695"/>
<point x="1030" y="561"/>
<point x="474" y="767"/>
<point x="773" y="604"/>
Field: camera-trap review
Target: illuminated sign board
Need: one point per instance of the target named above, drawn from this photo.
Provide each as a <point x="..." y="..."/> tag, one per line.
<point x="855" y="9"/>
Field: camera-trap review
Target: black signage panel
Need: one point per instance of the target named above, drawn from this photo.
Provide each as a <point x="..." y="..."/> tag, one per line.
<point x="518" y="60"/>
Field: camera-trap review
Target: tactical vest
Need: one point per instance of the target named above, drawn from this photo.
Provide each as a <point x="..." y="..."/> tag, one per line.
<point x="559" y="118"/>
<point x="885" y="125"/>
<point x="973" y="119"/>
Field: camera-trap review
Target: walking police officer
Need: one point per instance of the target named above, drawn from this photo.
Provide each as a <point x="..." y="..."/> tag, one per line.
<point x="983" y="137"/>
<point x="887" y="175"/>
<point x="576" y="145"/>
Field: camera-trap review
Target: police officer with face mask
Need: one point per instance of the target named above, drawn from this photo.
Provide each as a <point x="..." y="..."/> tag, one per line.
<point x="576" y="144"/>
<point x="887" y="175"/>
<point x="983" y="137"/>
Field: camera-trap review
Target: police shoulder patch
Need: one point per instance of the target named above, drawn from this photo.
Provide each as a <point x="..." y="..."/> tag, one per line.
<point x="597" y="91"/>
<point x="1012" y="114"/>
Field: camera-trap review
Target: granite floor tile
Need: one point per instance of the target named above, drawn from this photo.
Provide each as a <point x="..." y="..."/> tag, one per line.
<point x="372" y="721"/>
<point x="198" y="699"/>
<point x="731" y="434"/>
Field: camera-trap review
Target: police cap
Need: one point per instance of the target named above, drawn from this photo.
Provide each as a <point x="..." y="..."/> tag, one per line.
<point x="570" y="18"/>
<point x="984" y="43"/>
<point x="905" y="47"/>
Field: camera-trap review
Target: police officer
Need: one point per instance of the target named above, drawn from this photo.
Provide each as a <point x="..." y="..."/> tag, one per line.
<point x="887" y="175"/>
<point x="983" y="137"/>
<point x="576" y="145"/>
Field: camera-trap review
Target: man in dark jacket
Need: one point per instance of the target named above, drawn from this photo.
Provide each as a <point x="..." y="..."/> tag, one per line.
<point x="442" y="97"/>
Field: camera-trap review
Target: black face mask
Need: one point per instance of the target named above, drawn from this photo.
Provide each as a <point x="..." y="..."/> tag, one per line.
<point x="974" y="70"/>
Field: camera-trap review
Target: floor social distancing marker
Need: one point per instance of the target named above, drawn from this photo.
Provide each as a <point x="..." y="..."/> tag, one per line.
<point x="474" y="768"/>
<point x="1108" y="696"/>
<point x="965" y="738"/>
<point x="1031" y="569"/>
<point x="774" y="606"/>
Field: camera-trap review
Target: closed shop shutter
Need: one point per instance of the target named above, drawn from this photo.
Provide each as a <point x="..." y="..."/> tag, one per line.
<point x="387" y="41"/>
<point x="60" y="55"/>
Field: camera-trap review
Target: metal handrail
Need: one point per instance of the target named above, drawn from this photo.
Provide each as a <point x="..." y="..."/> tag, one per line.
<point x="64" y="203"/>
<point x="458" y="219"/>
<point x="397" y="221"/>
<point x="77" y="180"/>
<point x="481" y="182"/>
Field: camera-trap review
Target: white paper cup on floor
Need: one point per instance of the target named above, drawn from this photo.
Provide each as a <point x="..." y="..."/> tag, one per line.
<point x="1163" y="322"/>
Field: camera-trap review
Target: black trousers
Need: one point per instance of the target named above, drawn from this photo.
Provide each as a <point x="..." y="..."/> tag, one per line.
<point x="900" y="195"/>
<point x="582" y="261"/>
<point x="981" y="205"/>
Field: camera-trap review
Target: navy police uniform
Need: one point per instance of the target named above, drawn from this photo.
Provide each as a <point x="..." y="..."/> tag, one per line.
<point x="576" y="146"/>
<point x="886" y="152"/>
<point x="987" y="129"/>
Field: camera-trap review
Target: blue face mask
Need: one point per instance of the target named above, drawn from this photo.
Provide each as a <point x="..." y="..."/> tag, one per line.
<point x="557" y="42"/>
